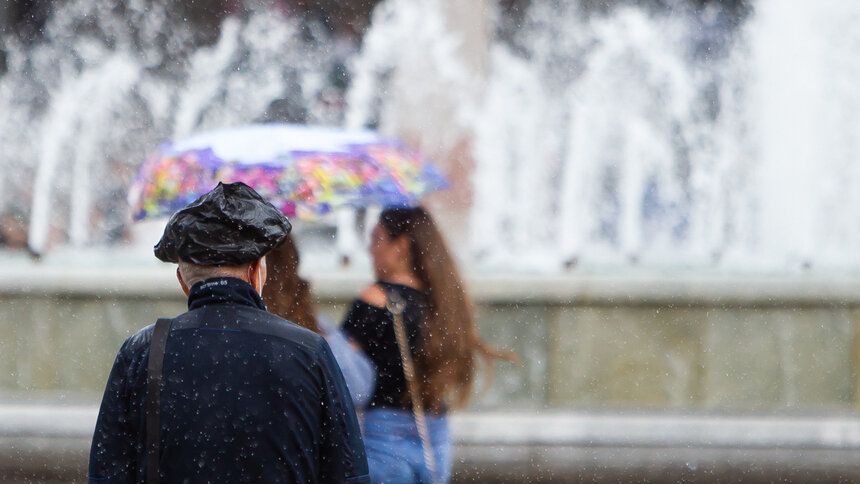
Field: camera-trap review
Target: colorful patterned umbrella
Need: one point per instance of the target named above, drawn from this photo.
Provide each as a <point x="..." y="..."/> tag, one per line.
<point x="305" y="171"/>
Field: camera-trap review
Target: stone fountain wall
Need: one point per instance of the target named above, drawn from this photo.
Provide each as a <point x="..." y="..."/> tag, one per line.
<point x="585" y="342"/>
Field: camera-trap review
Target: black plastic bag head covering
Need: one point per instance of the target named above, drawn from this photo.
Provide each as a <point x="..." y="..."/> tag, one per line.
<point x="231" y="225"/>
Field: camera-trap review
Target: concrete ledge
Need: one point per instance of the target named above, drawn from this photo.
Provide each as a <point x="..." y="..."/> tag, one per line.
<point x="45" y="442"/>
<point x="559" y="428"/>
<point x="606" y="447"/>
<point x="52" y="442"/>
<point x="158" y="281"/>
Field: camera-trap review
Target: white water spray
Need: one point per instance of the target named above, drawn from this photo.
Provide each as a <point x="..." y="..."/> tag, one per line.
<point x="667" y="141"/>
<point x="83" y="105"/>
<point x="610" y="141"/>
<point x="805" y="113"/>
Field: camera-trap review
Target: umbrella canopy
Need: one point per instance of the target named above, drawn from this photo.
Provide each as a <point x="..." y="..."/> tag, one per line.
<point x="303" y="170"/>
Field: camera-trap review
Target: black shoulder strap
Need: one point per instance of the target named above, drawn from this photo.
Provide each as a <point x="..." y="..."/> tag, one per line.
<point x="153" y="397"/>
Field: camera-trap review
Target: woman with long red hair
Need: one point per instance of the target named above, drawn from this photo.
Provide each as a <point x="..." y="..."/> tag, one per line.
<point x="288" y="295"/>
<point x="419" y="286"/>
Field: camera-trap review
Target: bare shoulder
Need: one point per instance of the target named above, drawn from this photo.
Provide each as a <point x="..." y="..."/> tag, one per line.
<point x="374" y="295"/>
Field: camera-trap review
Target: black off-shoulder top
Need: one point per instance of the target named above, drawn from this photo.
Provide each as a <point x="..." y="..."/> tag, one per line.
<point x="373" y="328"/>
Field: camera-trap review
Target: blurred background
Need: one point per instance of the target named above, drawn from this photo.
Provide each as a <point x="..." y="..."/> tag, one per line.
<point x="655" y="202"/>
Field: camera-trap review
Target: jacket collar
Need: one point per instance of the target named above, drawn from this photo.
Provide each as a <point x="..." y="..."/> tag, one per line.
<point x="223" y="290"/>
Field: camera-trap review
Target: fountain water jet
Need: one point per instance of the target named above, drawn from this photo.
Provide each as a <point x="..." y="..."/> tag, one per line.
<point x="88" y="100"/>
<point x="105" y="84"/>
<point x="671" y="140"/>
<point x="682" y="139"/>
<point x="804" y="114"/>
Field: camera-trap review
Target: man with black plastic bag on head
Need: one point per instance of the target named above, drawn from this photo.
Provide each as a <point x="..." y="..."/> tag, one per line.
<point x="225" y="392"/>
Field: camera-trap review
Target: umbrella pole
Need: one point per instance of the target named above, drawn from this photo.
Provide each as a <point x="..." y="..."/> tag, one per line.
<point x="346" y="237"/>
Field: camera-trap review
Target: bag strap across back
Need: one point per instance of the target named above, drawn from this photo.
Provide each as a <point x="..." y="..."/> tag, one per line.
<point x="396" y="306"/>
<point x="153" y="397"/>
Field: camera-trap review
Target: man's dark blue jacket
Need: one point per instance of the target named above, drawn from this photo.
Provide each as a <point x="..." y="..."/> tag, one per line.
<point x="246" y="397"/>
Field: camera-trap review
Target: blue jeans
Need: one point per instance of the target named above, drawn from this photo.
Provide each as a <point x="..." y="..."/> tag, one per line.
<point x="394" y="452"/>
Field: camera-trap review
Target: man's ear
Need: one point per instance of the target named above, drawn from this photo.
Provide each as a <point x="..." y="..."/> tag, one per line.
<point x="258" y="275"/>
<point x="182" y="283"/>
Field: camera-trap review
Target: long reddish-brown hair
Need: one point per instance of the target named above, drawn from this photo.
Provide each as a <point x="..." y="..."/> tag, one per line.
<point x="285" y="293"/>
<point x="450" y="342"/>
